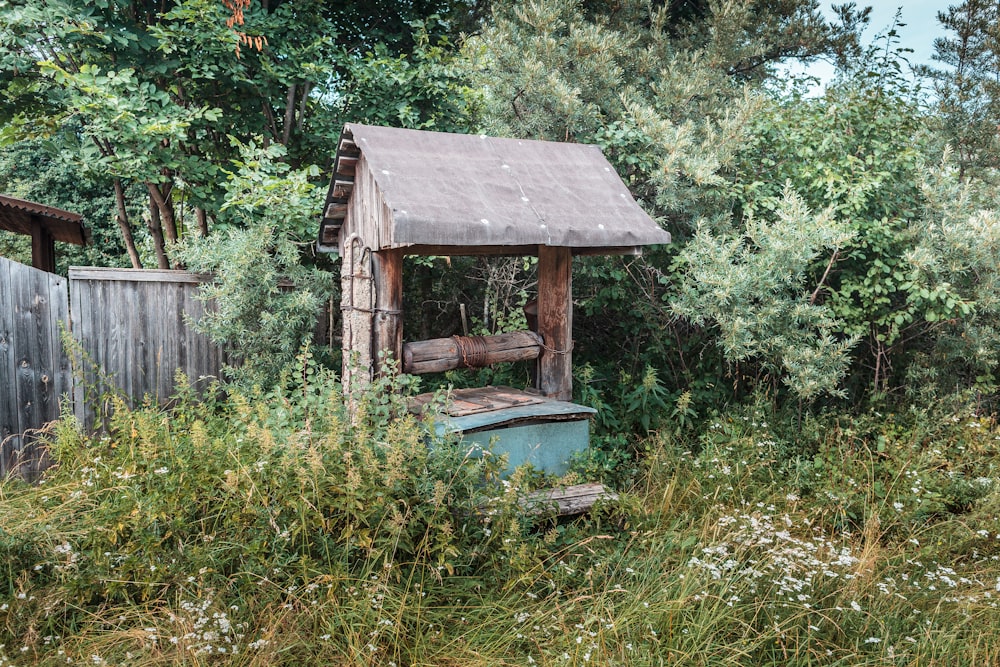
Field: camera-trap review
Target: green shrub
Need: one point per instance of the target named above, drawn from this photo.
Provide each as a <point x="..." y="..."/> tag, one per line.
<point x="259" y="495"/>
<point x="268" y="291"/>
<point x="267" y="528"/>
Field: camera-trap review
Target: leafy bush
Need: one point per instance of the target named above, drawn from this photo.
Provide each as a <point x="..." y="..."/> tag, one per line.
<point x="266" y="529"/>
<point x="266" y="296"/>
<point x="265" y="491"/>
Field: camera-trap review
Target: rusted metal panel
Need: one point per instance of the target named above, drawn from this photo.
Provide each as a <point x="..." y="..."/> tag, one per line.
<point x="454" y="190"/>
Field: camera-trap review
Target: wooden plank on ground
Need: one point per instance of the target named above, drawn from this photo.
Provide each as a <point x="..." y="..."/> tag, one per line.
<point x="568" y="500"/>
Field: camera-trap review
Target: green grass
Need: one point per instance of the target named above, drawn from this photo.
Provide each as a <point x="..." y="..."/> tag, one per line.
<point x="270" y="531"/>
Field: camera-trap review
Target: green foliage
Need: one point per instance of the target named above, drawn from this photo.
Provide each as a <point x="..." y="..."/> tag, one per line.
<point x="863" y="151"/>
<point x="754" y="287"/>
<point x="957" y="256"/>
<point x="968" y="89"/>
<point x="153" y="93"/>
<point x="265" y="300"/>
<point x="150" y="95"/>
<point x="30" y="169"/>
<point x="858" y="151"/>
<point x="265" y="529"/>
<point x="666" y="96"/>
<point x="424" y="89"/>
<point x="191" y="502"/>
<point x="140" y="120"/>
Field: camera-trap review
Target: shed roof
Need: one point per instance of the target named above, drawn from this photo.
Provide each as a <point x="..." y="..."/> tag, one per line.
<point x="21" y="216"/>
<point x="461" y="190"/>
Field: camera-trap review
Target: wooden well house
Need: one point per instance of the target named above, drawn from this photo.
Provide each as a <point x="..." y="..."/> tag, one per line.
<point x="397" y="192"/>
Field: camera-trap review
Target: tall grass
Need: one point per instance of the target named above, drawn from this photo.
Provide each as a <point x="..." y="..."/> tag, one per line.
<point x="268" y="530"/>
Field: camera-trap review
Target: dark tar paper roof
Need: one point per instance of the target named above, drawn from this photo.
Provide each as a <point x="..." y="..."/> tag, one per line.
<point x="474" y="190"/>
<point x="20" y="216"/>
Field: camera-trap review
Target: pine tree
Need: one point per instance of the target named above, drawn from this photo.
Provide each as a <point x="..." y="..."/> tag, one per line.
<point x="969" y="89"/>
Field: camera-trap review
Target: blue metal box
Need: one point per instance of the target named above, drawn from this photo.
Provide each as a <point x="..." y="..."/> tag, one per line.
<point x="527" y="427"/>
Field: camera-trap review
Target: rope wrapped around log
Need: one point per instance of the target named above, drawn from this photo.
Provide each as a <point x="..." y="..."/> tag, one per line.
<point x="444" y="354"/>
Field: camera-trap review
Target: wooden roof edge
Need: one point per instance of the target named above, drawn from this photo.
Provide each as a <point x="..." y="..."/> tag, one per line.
<point x="345" y="165"/>
<point x="490" y="251"/>
<point x="64" y="226"/>
<point x="40" y="209"/>
<point x="342" y="183"/>
<point x="65" y="231"/>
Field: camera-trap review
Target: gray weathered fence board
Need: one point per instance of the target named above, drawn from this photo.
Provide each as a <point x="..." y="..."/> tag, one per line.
<point x="133" y="325"/>
<point x="34" y="369"/>
<point x="8" y="384"/>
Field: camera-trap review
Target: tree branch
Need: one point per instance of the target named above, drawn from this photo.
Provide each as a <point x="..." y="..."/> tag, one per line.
<point x="819" y="286"/>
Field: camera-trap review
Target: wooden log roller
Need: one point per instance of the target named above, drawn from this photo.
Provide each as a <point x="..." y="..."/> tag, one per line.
<point x="444" y="354"/>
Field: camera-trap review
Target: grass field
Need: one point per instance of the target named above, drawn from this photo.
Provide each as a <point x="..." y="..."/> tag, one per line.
<point x="271" y="532"/>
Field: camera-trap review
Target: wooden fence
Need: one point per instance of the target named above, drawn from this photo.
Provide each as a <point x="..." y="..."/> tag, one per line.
<point x="34" y="369"/>
<point x="132" y="327"/>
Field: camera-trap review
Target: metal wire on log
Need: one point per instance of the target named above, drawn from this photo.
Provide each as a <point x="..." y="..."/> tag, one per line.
<point x="444" y="354"/>
<point x="473" y="350"/>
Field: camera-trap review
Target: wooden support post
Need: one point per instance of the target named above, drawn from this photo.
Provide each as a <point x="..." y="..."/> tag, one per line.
<point x="387" y="271"/>
<point x="43" y="248"/>
<point x="356" y="303"/>
<point x="555" y="322"/>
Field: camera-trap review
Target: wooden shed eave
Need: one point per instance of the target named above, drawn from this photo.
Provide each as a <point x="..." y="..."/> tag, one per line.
<point x="507" y="251"/>
<point x="25" y="217"/>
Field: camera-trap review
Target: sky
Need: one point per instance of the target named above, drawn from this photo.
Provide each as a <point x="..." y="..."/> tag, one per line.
<point x="922" y="27"/>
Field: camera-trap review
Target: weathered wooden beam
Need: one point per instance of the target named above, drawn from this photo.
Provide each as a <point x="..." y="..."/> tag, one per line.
<point x="444" y="354"/>
<point x="348" y="147"/>
<point x="137" y="275"/>
<point x="567" y="500"/>
<point x="356" y="304"/>
<point x="342" y="189"/>
<point x="330" y="234"/>
<point x="346" y="166"/>
<point x="43" y="247"/>
<point x="336" y="211"/>
<point x="387" y="272"/>
<point x="555" y="322"/>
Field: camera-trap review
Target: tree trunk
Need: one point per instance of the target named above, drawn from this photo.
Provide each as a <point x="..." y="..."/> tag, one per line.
<point x="286" y="133"/>
<point x="156" y="231"/>
<point x="202" y="218"/>
<point x="124" y="226"/>
<point x="160" y="200"/>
